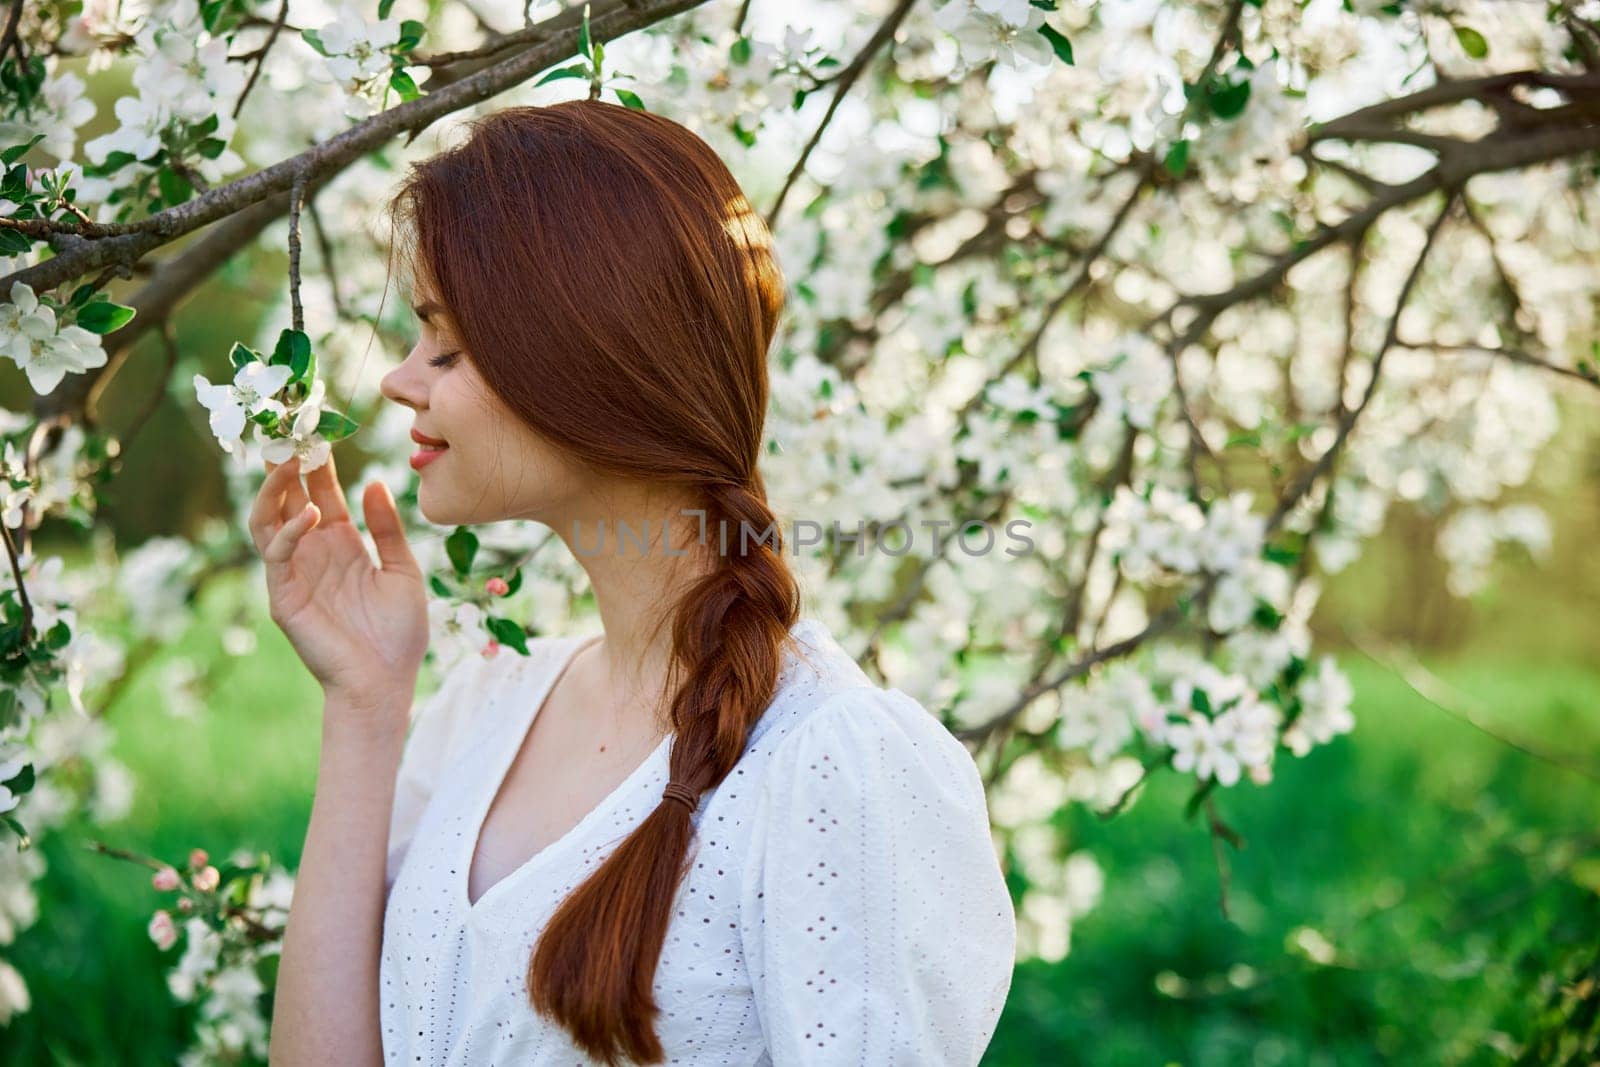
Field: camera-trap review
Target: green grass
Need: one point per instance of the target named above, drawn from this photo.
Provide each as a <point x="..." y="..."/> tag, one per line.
<point x="1393" y="843"/>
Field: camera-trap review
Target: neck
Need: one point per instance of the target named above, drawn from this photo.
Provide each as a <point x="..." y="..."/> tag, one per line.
<point x="635" y="592"/>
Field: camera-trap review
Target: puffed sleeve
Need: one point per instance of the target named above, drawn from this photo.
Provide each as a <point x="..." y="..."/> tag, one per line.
<point x="876" y="923"/>
<point x="437" y="727"/>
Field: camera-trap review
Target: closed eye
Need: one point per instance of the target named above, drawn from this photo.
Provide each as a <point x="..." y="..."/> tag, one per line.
<point x="443" y="359"/>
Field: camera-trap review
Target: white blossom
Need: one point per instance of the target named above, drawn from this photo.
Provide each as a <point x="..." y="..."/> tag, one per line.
<point x="252" y="390"/>
<point x="303" y="442"/>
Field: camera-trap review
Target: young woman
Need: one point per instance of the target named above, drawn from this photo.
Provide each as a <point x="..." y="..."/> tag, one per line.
<point x="700" y="835"/>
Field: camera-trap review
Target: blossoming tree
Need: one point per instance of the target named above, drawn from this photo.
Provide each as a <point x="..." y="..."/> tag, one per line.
<point x="1196" y="288"/>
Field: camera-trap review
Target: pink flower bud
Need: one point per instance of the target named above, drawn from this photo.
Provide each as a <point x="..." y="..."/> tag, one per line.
<point x="490" y="650"/>
<point x="166" y="878"/>
<point x="185" y="905"/>
<point x="496" y="587"/>
<point x="162" y="930"/>
<point x="198" y="858"/>
<point x="206" y="879"/>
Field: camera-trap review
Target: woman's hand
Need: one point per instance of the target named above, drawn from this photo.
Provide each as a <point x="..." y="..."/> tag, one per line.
<point x="362" y="629"/>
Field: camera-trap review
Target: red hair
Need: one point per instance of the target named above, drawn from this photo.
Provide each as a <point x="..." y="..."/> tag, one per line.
<point x="611" y="283"/>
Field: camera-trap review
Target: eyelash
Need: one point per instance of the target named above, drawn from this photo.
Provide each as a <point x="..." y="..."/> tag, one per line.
<point x="442" y="359"/>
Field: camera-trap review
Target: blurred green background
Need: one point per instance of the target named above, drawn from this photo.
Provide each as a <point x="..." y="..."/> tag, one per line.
<point x="1421" y="891"/>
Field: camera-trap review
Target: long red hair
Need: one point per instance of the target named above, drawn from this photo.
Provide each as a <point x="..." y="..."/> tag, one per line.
<point x="611" y="283"/>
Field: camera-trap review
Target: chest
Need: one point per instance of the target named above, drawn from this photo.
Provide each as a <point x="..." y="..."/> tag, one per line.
<point x="571" y="760"/>
<point x="453" y="973"/>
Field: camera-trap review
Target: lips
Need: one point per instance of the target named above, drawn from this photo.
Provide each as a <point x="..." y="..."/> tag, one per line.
<point x="428" y="442"/>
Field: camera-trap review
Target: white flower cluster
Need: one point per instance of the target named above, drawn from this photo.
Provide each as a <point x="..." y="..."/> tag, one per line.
<point x="252" y="392"/>
<point x="34" y="736"/>
<point x="1134" y="383"/>
<point x="1469" y="540"/>
<point x="1216" y="723"/>
<point x="31" y="338"/>
<point x="60" y="110"/>
<point x="359" y="55"/>
<point x="224" y="947"/>
<point x="1002" y="30"/>
<point x="184" y="80"/>
<point x="1168" y="531"/>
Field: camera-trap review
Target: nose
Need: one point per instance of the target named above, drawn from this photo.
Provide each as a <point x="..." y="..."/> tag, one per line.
<point x="404" y="386"/>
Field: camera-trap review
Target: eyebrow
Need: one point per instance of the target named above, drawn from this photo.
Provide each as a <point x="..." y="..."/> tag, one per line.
<point x="424" y="309"/>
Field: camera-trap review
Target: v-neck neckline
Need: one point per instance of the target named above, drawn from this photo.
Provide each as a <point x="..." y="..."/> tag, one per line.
<point x="532" y="708"/>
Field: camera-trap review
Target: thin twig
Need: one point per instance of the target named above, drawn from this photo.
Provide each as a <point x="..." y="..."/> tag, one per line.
<point x="261" y="57"/>
<point x="846" y="79"/>
<point x="296" y="197"/>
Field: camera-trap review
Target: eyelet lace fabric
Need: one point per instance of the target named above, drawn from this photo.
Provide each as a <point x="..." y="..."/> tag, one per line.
<point x="844" y="903"/>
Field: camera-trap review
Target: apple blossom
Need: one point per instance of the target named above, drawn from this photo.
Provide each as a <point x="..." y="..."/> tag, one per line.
<point x="253" y="390"/>
<point x="303" y="442"/>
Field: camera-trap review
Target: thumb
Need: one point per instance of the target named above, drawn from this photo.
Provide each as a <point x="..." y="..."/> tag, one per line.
<point x="388" y="534"/>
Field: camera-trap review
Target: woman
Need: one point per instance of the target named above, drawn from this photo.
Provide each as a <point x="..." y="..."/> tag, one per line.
<point x="701" y="835"/>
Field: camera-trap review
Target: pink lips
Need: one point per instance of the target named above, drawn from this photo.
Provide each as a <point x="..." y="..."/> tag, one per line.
<point x="425" y="456"/>
<point x="432" y="449"/>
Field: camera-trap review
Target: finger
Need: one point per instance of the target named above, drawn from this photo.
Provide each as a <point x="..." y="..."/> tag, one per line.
<point x="294" y="498"/>
<point x="284" y="542"/>
<point x="326" y="492"/>
<point x="270" y="508"/>
<point x="388" y="533"/>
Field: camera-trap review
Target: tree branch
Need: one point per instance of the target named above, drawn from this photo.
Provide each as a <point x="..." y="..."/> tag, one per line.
<point x="131" y="241"/>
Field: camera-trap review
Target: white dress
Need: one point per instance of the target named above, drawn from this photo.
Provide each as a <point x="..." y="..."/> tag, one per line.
<point x="844" y="903"/>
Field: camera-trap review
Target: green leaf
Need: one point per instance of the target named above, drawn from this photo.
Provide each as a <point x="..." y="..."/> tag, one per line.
<point x="739" y="51"/>
<point x="384" y="7"/>
<point x="577" y="70"/>
<point x="1228" y="101"/>
<point x="14" y="243"/>
<point x="1059" y="42"/>
<point x="411" y="34"/>
<point x="81" y="294"/>
<point x="1282" y="555"/>
<point x="22" y="782"/>
<point x="103" y="316"/>
<point x="175" y="188"/>
<point x="314" y="39"/>
<point x="241" y="354"/>
<point x="402" y="83"/>
<point x="514" y="582"/>
<point x="114" y="161"/>
<point x="1472" y="42"/>
<point x="1199" y="797"/>
<point x="1177" y="158"/>
<point x="292" y="350"/>
<point x="583" y="36"/>
<point x="461" y="546"/>
<point x="336" y="427"/>
<point x="508" y="633"/>
<point x="212" y="147"/>
<point x="630" y="100"/>
<point x="16" y="152"/>
<point x="438" y="586"/>
<point x="1200" y="700"/>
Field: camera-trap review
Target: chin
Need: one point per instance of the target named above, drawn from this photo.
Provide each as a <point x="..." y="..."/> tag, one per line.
<point x="449" y="511"/>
